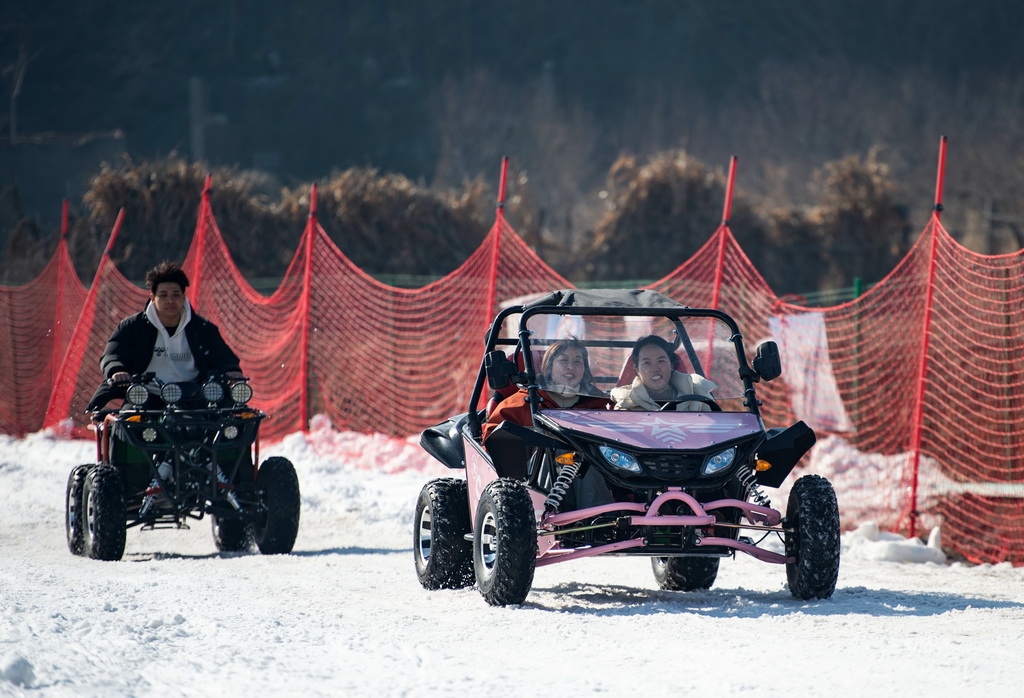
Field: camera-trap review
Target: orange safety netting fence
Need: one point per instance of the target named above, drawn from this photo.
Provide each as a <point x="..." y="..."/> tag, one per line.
<point x="913" y="388"/>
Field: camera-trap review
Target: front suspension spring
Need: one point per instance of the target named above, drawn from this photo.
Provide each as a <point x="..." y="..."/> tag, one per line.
<point x="748" y="479"/>
<point x="561" y="486"/>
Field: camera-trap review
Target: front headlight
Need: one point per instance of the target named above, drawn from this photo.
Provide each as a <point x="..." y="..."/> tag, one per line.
<point x="137" y="394"/>
<point x="149" y="434"/>
<point x="171" y="393"/>
<point x="719" y="461"/>
<point x="230" y="431"/>
<point x="620" y="459"/>
<point x="213" y="391"/>
<point x="241" y="393"/>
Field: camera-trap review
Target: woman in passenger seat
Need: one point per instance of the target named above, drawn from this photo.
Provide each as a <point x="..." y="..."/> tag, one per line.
<point x="566" y="383"/>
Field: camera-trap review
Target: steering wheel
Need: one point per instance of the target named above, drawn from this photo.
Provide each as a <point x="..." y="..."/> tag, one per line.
<point x="691" y="397"/>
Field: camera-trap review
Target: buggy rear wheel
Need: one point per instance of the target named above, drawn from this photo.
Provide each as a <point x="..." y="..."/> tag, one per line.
<point x="276" y="524"/>
<point x="685" y="573"/>
<point x="444" y="558"/>
<point x="812" y="537"/>
<point x="504" y="543"/>
<point x="73" y="520"/>
<point x="103" y="532"/>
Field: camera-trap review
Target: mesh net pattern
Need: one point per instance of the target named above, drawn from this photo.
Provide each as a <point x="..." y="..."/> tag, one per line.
<point x="913" y="388"/>
<point x="38" y="320"/>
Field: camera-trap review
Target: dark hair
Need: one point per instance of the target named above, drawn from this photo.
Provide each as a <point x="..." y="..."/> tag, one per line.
<point x="557" y="349"/>
<point x="166" y="272"/>
<point x="657" y="341"/>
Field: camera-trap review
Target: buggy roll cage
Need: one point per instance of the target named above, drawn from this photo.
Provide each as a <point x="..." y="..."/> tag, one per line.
<point x="747" y="375"/>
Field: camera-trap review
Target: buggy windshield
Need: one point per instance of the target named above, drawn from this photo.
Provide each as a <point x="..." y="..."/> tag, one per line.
<point x="589" y="348"/>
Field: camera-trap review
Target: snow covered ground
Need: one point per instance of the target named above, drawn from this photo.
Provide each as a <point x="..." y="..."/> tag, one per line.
<point x="344" y="615"/>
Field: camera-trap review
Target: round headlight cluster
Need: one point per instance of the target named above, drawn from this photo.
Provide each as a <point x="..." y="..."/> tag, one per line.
<point x="241" y="393"/>
<point x="171" y="393"/>
<point x="137" y="394"/>
<point x="213" y="391"/>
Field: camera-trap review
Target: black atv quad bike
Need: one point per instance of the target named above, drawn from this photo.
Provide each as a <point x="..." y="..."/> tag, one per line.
<point x="180" y="451"/>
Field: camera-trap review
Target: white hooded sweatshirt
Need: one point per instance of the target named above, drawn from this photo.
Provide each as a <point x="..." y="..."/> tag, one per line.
<point x="172" y="360"/>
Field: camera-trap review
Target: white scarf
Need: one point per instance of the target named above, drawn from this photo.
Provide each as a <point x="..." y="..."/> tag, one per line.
<point x="636" y="397"/>
<point x="172" y="359"/>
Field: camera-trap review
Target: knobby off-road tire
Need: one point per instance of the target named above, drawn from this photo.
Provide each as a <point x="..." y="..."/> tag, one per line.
<point x="443" y="556"/>
<point x="812" y="523"/>
<point x="275" y="527"/>
<point x="231" y="535"/>
<point x="103" y="532"/>
<point x="504" y="543"/>
<point x="685" y="573"/>
<point x="73" y="520"/>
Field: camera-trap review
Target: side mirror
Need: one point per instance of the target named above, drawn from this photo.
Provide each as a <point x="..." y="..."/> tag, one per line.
<point x="767" y="363"/>
<point x="499" y="369"/>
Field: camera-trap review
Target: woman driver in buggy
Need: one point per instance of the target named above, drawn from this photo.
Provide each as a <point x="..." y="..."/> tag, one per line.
<point x="659" y="381"/>
<point x="566" y="383"/>
<point x="166" y="339"/>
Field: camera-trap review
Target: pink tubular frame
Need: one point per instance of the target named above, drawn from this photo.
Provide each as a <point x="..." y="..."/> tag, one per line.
<point x="651" y="516"/>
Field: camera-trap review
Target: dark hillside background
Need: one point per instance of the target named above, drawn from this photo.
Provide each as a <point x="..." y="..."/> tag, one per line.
<point x="605" y="108"/>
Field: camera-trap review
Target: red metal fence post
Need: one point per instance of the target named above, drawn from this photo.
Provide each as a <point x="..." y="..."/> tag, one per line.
<point x="306" y="304"/>
<point x="716" y="290"/>
<point x="499" y="221"/>
<point x="918" y="418"/>
<point x="205" y="213"/>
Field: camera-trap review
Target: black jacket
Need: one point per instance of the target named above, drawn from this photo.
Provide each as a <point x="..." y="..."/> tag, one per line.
<point x="130" y="349"/>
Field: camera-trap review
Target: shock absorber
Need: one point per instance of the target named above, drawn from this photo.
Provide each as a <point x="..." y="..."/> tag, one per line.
<point x="748" y="479"/>
<point x="223" y="484"/>
<point x="561" y="485"/>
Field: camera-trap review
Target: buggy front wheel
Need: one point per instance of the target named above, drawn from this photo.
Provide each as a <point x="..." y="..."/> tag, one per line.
<point x="812" y="538"/>
<point x="504" y="543"/>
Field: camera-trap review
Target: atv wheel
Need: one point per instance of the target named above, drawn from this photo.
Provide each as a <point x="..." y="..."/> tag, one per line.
<point x="504" y="543"/>
<point x="685" y="573"/>
<point x="277" y="523"/>
<point x="812" y="537"/>
<point x="103" y="532"/>
<point x="231" y="534"/>
<point x="444" y="558"/>
<point x="73" y="521"/>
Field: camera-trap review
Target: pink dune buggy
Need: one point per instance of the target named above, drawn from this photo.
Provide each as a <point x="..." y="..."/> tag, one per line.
<point x="679" y="486"/>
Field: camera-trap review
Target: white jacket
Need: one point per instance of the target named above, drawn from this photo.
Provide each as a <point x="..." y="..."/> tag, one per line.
<point x="635" y="396"/>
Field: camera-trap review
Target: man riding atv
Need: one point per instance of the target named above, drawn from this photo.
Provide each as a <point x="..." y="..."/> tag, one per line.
<point x="185" y="443"/>
<point x="166" y="339"/>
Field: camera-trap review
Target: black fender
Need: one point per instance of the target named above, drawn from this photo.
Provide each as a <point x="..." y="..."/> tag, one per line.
<point x="444" y="441"/>
<point x="783" y="449"/>
<point x="510" y="446"/>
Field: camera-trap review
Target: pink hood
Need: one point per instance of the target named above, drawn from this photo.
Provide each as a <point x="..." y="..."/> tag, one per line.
<point x="659" y="430"/>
